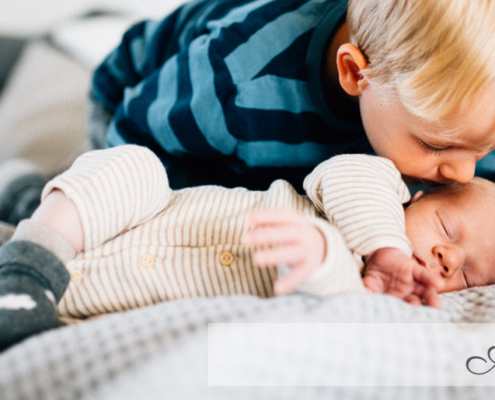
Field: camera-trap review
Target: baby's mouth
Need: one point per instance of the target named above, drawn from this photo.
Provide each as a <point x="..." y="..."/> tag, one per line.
<point x="419" y="261"/>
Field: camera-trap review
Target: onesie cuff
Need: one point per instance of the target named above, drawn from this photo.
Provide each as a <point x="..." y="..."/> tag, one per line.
<point x="386" y="241"/>
<point x="339" y="272"/>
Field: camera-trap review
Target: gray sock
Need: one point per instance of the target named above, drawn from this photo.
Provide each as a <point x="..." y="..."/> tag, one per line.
<point x="32" y="281"/>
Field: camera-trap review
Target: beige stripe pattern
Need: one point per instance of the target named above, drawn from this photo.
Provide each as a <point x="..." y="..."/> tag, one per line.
<point x="362" y="196"/>
<point x="145" y="243"/>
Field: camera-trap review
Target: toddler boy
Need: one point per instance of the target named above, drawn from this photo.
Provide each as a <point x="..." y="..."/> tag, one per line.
<point x="112" y="227"/>
<point x="241" y="93"/>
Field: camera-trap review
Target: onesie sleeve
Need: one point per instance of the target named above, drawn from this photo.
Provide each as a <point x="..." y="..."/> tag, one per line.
<point x="114" y="190"/>
<point x="362" y="196"/>
<point x="339" y="272"/>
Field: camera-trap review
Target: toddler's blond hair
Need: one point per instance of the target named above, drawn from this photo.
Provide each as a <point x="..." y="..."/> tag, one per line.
<point x="437" y="55"/>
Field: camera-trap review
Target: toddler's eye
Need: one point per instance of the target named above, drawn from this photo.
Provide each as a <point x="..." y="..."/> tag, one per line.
<point x="432" y="149"/>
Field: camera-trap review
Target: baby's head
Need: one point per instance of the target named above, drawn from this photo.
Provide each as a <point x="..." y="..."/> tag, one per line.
<point x="424" y="74"/>
<point x="452" y="232"/>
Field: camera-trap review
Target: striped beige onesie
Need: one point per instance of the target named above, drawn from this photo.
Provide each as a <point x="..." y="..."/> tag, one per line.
<point x="144" y="243"/>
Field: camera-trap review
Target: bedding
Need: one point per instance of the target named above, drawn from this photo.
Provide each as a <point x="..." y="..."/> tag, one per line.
<point x="162" y="350"/>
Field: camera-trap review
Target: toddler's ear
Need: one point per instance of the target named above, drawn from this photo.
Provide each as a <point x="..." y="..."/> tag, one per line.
<point x="350" y="62"/>
<point x="417" y="196"/>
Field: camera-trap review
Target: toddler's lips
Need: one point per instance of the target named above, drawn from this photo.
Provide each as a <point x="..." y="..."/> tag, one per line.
<point x="427" y="182"/>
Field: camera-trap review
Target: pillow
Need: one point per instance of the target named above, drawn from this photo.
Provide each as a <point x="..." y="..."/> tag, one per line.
<point x="43" y="109"/>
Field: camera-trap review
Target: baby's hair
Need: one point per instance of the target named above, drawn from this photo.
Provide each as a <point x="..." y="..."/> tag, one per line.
<point x="456" y="188"/>
<point x="436" y="55"/>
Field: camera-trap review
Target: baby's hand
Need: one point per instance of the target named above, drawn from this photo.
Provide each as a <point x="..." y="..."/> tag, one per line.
<point x="285" y="237"/>
<point x="390" y="271"/>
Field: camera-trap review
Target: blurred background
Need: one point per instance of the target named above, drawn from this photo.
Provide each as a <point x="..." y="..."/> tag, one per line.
<point x="48" y="51"/>
<point x="63" y="19"/>
<point x="27" y="17"/>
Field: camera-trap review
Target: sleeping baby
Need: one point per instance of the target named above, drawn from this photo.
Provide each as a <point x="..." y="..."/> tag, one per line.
<point x="110" y="235"/>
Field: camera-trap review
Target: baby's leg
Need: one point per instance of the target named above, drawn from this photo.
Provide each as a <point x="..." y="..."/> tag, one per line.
<point x="33" y="277"/>
<point x="110" y="192"/>
<point x="32" y="281"/>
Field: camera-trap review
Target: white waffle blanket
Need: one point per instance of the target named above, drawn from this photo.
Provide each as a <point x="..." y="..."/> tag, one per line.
<point x="162" y="352"/>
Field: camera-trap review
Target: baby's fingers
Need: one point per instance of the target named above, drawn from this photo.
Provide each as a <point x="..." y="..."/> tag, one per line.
<point x="289" y="283"/>
<point x="428" y="294"/>
<point x="290" y="255"/>
<point x="271" y="236"/>
<point x="427" y="278"/>
<point x="431" y="298"/>
<point x="413" y="300"/>
<point x="274" y="216"/>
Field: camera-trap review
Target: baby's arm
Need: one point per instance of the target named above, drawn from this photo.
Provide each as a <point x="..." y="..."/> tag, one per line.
<point x="390" y="271"/>
<point x="310" y="253"/>
<point x="363" y="195"/>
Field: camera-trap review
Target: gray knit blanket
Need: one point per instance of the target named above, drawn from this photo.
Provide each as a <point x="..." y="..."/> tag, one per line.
<point x="162" y="351"/>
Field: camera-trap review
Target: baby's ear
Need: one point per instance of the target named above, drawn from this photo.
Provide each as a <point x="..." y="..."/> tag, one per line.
<point x="417" y="196"/>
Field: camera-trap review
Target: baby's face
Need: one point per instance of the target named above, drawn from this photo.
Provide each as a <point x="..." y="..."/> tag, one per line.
<point x="453" y="235"/>
<point x="424" y="151"/>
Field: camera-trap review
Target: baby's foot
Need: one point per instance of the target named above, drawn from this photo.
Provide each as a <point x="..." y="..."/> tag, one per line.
<point x="32" y="280"/>
<point x="26" y="308"/>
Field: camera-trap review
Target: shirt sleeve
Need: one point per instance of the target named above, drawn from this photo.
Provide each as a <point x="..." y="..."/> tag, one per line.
<point x="362" y="196"/>
<point x="113" y="190"/>
<point x="144" y="47"/>
<point x="169" y="93"/>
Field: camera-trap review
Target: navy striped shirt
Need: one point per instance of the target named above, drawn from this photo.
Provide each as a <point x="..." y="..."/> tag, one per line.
<point x="228" y="91"/>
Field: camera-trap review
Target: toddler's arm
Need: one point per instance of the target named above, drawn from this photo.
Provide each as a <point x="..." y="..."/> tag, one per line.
<point x="143" y="48"/>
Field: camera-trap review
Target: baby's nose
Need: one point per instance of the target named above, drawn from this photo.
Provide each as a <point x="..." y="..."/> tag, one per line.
<point x="449" y="258"/>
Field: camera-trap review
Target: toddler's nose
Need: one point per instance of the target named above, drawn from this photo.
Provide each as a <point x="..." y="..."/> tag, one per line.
<point x="461" y="169"/>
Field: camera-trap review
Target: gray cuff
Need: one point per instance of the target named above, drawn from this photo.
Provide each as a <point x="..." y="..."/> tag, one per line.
<point x="31" y="231"/>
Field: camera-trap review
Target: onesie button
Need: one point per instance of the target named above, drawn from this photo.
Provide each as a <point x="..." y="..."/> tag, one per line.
<point x="76" y="275"/>
<point x="226" y="258"/>
<point x="147" y="261"/>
